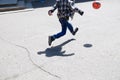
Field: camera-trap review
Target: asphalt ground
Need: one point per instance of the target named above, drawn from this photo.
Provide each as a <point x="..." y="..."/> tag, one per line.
<point x="92" y="54"/>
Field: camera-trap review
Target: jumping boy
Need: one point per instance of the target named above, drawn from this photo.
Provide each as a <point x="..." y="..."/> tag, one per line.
<point x="66" y="9"/>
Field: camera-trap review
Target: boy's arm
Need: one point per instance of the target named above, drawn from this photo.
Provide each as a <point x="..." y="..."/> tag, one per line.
<point x="75" y="9"/>
<point x="55" y="6"/>
<point x="53" y="9"/>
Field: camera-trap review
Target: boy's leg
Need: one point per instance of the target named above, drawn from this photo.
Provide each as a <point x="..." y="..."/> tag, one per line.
<point x="70" y="27"/>
<point x="64" y="28"/>
<point x="60" y="34"/>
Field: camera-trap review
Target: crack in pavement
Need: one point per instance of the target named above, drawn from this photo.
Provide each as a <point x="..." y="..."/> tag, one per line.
<point x="11" y="77"/>
<point x="54" y="75"/>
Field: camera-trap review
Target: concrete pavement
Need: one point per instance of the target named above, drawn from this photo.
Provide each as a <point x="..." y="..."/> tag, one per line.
<point x="25" y="54"/>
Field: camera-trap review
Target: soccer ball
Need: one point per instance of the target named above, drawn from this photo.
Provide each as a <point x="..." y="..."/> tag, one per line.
<point x="96" y="5"/>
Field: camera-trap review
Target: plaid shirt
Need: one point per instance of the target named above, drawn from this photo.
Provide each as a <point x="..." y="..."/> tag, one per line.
<point x="65" y="9"/>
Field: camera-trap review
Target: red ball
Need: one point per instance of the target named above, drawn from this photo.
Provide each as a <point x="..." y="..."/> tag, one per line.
<point x="96" y="5"/>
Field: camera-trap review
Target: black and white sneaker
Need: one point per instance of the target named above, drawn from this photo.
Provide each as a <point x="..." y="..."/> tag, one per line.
<point x="74" y="32"/>
<point x="50" y="40"/>
<point x="81" y="13"/>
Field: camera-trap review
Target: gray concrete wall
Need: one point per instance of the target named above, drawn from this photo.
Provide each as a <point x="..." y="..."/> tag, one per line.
<point x="7" y="2"/>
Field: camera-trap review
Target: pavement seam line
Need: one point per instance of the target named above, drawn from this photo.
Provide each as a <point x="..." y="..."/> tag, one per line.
<point x="54" y="75"/>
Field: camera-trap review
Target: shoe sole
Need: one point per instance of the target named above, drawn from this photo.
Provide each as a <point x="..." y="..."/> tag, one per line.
<point x="49" y="39"/>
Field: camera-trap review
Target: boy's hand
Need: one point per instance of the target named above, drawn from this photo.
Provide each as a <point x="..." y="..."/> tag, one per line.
<point x="49" y="12"/>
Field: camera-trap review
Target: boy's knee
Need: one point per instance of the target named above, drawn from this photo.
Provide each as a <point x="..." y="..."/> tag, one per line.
<point x="63" y="33"/>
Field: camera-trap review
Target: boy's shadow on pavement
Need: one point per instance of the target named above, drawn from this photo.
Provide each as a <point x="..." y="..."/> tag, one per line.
<point x="56" y="50"/>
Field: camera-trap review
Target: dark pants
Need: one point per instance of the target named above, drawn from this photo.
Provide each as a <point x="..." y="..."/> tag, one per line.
<point x="64" y="24"/>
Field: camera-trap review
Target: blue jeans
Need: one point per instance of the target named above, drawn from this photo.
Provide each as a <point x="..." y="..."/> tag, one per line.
<point x="64" y="24"/>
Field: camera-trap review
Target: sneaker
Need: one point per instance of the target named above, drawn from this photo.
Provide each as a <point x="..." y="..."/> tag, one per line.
<point x="81" y="13"/>
<point x="50" y="40"/>
<point x="74" y="32"/>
